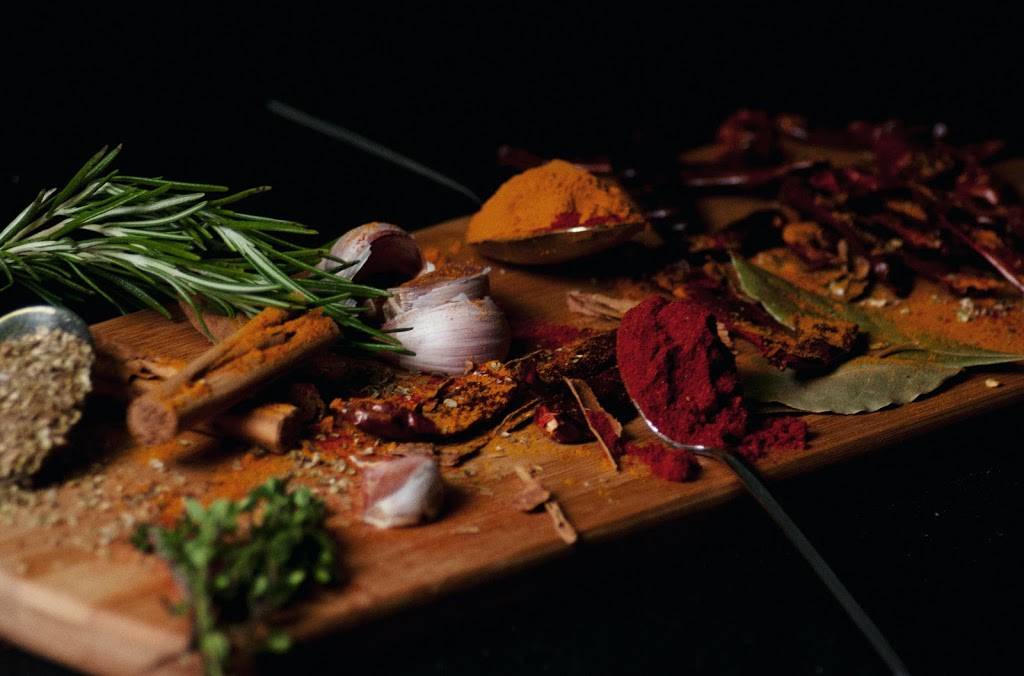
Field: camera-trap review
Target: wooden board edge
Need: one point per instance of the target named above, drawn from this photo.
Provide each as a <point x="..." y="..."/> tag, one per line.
<point x="33" y="614"/>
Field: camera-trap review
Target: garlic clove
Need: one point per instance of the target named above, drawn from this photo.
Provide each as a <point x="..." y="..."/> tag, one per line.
<point x="437" y="286"/>
<point x="448" y="337"/>
<point x="402" y="492"/>
<point x="376" y="250"/>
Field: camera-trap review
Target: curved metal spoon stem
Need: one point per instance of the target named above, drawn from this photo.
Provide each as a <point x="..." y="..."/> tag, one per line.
<point x="29" y="319"/>
<point x="755" y="486"/>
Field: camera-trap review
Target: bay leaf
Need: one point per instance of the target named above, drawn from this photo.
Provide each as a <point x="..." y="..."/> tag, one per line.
<point x="862" y="384"/>
<point x="783" y="300"/>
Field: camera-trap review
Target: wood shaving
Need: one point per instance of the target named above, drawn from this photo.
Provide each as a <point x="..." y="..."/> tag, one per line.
<point x="562" y="525"/>
<point x="598" y="305"/>
<point x="605" y="428"/>
<point x="533" y="494"/>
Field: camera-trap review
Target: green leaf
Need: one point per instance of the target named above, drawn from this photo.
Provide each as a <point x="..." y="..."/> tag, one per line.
<point x="169" y="238"/>
<point x="783" y="300"/>
<point x="279" y="642"/>
<point x="216" y="646"/>
<point x="194" y="509"/>
<point x="859" y="385"/>
<point x="245" y="574"/>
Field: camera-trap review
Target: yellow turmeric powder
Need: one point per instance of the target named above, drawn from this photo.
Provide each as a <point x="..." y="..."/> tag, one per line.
<point x="554" y="196"/>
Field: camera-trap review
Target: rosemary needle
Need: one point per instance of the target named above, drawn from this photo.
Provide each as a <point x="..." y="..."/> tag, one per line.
<point x="139" y="242"/>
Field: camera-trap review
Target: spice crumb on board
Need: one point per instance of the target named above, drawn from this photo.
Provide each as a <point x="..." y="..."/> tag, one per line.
<point x="992" y="383"/>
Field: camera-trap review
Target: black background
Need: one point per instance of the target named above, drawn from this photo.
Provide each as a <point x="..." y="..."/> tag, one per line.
<point x="923" y="534"/>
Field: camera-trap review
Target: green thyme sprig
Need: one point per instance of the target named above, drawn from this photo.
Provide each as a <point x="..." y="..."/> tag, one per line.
<point x="138" y="242"/>
<point x="239" y="561"/>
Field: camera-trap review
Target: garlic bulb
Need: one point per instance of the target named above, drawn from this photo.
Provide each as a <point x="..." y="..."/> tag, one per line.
<point x="438" y="286"/>
<point x="376" y="249"/>
<point x="402" y="492"/>
<point x="448" y="337"/>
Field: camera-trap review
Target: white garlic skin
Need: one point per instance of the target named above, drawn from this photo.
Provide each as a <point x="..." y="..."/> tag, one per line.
<point x="449" y="337"/>
<point x="412" y="296"/>
<point x="402" y="492"/>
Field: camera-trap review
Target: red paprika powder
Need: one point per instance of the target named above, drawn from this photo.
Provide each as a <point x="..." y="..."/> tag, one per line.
<point x="680" y="374"/>
<point x="666" y="463"/>
<point x="684" y="379"/>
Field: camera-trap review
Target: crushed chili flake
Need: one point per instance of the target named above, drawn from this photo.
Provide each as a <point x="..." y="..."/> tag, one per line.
<point x="557" y="420"/>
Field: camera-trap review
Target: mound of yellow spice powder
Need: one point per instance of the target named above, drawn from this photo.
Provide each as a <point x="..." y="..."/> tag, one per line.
<point x="554" y="196"/>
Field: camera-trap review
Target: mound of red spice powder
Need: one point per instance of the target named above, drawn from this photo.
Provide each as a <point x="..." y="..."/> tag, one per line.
<point x="667" y="463"/>
<point x="788" y="433"/>
<point x="677" y="369"/>
<point x="682" y="376"/>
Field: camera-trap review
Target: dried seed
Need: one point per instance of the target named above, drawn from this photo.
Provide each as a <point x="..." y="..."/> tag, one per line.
<point x="44" y="380"/>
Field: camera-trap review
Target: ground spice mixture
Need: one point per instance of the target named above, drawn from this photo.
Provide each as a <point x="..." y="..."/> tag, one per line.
<point x="679" y="372"/>
<point x="666" y="463"/>
<point x="994" y="323"/>
<point x="684" y="379"/>
<point x="554" y="196"/>
<point x="44" y="380"/>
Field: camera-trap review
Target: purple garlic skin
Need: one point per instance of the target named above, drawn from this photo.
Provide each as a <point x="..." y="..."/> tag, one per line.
<point x="402" y="492"/>
<point x="376" y="249"/>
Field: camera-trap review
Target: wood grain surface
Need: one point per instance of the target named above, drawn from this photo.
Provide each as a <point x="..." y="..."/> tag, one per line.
<point x="108" y="614"/>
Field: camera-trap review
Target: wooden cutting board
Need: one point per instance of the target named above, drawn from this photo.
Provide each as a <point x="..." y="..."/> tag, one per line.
<point x="108" y="613"/>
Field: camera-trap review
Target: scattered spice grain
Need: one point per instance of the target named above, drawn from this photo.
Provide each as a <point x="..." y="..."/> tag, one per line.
<point x="45" y="378"/>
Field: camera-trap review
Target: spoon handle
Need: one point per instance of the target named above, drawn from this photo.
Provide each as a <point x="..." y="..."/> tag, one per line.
<point x="753" y="483"/>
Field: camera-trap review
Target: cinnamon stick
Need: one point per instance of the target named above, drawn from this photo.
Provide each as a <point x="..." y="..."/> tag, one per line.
<point x="269" y="345"/>
<point x="273" y="425"/>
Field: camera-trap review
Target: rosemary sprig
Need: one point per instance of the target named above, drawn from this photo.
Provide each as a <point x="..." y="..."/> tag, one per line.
<point x="239" y="561"/>
<point x="138" y="242"/>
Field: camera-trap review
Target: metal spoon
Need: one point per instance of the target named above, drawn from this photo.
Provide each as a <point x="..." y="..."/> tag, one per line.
<point x="559" y="246"/>
<point x="752" y="482"/>
<point x="28" y="319"/>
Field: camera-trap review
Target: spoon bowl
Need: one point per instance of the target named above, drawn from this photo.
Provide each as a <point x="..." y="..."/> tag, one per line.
<point x="559" y="246"/>
<point x="29" y="319"/>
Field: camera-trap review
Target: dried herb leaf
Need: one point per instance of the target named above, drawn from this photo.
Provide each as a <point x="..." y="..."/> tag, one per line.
<point x="784" y="301"/>
<point x="859" y="385"/>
